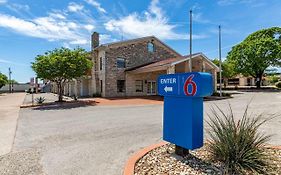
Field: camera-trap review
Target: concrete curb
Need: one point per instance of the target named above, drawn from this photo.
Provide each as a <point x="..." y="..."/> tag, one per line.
<point x="130" y="165"/>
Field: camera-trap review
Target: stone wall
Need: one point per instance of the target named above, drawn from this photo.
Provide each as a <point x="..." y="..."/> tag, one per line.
<point x="135" y="54"/>
<point x="145" y="77"/>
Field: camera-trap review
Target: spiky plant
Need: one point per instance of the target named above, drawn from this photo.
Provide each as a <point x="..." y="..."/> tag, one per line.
<point x="237" y="144"/>
<point x="40" y="100"/>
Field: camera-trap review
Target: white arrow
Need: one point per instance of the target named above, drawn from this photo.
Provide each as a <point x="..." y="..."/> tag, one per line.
<point x="168" y="89"/>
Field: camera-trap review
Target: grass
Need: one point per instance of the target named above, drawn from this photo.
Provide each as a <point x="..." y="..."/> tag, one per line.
<point x="237" y="144"/>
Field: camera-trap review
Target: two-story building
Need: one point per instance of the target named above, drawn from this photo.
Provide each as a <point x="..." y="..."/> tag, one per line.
<point x="131" y="67"/>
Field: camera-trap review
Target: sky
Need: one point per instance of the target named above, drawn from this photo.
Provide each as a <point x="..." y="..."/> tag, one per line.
<point x="31" y="27"/>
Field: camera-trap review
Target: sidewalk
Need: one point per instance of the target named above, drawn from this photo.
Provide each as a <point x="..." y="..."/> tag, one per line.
<point x="9" y="112"/>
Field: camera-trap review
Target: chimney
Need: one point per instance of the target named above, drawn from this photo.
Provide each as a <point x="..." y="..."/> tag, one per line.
<point x="95" y="40"/>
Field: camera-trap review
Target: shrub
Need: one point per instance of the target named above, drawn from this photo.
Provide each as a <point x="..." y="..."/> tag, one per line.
<point x="40" y="100"/>
<point x="224" y="94"/>
<point x="237" y="144"/>
<point x="278" y="84"/>
<point x="96" y="95"/>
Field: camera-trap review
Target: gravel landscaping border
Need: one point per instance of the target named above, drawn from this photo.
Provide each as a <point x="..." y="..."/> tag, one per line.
<point x="162" y="160"/>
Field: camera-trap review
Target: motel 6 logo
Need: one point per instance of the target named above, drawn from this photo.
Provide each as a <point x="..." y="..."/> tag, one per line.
<point x="190" y="87"/>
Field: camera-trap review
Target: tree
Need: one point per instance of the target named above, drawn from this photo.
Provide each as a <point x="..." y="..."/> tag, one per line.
<point x="257" y="52"/>
<point x="227" y="69"/>
<point x="3" y="80"/>
<point x="61" y="66"/>
<point x="12" y="82"/>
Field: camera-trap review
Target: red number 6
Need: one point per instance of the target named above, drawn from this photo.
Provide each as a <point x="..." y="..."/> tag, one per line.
<point x="189" y="81"/>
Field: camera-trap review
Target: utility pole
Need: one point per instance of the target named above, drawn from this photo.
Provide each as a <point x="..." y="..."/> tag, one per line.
<point x="190" y="40"/>
<point x="220" y="60"/>
<point x="10" y="72"/>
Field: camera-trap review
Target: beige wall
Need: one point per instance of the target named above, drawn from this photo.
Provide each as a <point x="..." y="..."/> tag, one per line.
<point x="131" y="79"/>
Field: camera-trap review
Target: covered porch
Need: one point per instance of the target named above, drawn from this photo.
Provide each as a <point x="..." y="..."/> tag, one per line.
<point x="142" y="80"/>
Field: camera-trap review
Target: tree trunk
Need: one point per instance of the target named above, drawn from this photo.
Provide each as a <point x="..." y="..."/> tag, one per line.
<point x="258" y="80"/>
<point x="60" y="92"/>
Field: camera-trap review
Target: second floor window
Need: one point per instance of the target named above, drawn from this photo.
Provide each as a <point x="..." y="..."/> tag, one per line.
<point x="100" y="63"/>
<point x="150" y="47"/>
<point x="121" y="63"/>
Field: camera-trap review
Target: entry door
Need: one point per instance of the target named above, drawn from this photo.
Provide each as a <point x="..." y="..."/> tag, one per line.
<point x="151" y="88"/>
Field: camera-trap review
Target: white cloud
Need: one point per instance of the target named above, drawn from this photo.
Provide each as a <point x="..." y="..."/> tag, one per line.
<point x="48" y="28"/>
<point x="153" y="22"/>
<point x="74" y="7"/>
<point x="97" y="5"/>
<point x="57" y="15"/>
<point x="89" y="27"/>
<point x="3" y="1"/>
<point x="4" y="61"/>
<point x="231" y="2"/>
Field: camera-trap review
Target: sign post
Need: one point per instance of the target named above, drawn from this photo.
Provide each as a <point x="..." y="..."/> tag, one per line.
<point x="183" y="108"/>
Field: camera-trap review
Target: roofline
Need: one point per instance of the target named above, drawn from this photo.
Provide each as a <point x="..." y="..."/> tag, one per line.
<point x="196" y="55"/>
<point x="137" y="39"/>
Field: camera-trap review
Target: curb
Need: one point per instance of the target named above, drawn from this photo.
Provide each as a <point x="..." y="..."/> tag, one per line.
<point x="130" y="165"/>
<point x="129" y="168"/>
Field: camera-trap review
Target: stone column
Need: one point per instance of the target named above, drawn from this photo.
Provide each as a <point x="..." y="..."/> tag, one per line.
<point x="214" y="72"/>
<point x="171" y="69"/>
<point x="203" y="66"/>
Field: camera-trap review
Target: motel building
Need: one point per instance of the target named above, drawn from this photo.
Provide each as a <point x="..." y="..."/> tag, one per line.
<point x="131" y="68"/>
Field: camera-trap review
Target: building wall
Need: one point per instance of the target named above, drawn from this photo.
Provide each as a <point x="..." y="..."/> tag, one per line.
<point x="145" y="77"/>
<point x="134" y="54"/>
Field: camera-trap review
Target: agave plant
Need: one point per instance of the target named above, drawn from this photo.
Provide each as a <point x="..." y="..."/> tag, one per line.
<point x="40" y="100"/>
<point x="237" y="144"/>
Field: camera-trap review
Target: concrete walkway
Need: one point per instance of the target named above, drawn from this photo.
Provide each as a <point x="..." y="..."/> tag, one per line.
<point x="9" y="112"/>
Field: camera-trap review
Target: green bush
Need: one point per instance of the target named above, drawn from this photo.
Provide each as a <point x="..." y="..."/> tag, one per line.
<point x="96" y="95"/>
<point x="224" y="94"/>
<point x="237" y="144"/>
<point x="278" y="84"/>
<point x="40" y="100"/>
<point x="273" y="79"/>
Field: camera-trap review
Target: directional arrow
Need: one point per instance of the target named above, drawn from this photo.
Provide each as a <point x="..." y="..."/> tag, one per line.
<point x="168" y="89"/>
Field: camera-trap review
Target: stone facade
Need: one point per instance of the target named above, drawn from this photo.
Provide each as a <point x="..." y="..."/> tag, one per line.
<point x="134" y="53"/>
<point x="102" y="80"/>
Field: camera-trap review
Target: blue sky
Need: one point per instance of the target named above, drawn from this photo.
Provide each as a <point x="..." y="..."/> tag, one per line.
<point x="29" y="28"/>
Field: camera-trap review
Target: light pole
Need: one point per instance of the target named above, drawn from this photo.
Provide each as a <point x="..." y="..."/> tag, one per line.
<point x="190" y="40"/>
<point x="10" y="73"/>
<point x="220" y="60"/>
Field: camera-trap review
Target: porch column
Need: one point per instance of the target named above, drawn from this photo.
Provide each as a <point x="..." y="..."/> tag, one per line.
<point x="203" y="66"/>
<point x="214" y="72"/>
<point x="171" y="69"/>
<point x="186" y="66"/>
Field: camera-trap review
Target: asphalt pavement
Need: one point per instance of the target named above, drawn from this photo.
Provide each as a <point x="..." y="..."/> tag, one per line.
<point x="99" y="139"/>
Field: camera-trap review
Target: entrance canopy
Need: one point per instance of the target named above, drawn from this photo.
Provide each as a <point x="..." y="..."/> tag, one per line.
<point x="200" y="63"/>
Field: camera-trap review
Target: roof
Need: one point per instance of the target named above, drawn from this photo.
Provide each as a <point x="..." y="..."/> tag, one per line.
<point x="134" y="41"/>
<point x="170" y="62"/>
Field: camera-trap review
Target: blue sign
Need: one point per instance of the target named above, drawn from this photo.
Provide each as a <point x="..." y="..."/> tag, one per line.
<point x="183" y="107"/>
<point x="195" y="84"/>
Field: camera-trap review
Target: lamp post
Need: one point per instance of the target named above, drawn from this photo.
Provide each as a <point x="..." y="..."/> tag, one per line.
<point x="220" y="60"/>
<point x="190" y="40"/>
<point x="10" y="87"/>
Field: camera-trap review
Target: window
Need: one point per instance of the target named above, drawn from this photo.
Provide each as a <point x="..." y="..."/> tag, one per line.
<point x="121" y="63"/>
<point x="120" y="85"/>
<point x="100" y="86"/>
<point x="139" y="86"/>
<point x="100" y="63"/>
<point x="150" y="47"/>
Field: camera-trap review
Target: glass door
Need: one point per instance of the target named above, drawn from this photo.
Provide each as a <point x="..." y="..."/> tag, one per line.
<point x="151" y="88"/>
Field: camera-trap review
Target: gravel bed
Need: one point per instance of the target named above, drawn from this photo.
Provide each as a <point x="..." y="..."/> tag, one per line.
<point x="21" y="163"/>
<point x="162" y="161"/>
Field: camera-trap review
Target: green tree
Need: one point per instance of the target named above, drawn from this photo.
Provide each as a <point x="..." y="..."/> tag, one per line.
<point x="257" y="52"/>
<point x="3" y="80"/>
<point x="227" y="69"/>
<point x="61" y="66"/>
<point x="13" y="81"/>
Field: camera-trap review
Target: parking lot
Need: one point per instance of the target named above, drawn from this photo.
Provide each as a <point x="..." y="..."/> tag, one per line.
<point x="99" y="139"/>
